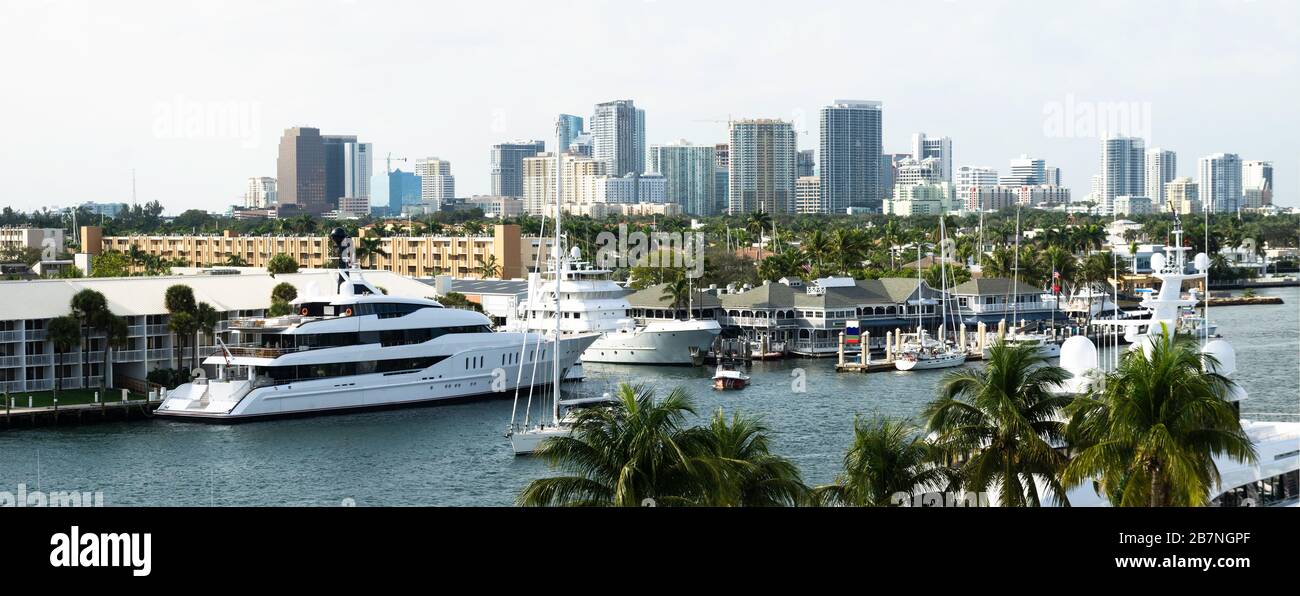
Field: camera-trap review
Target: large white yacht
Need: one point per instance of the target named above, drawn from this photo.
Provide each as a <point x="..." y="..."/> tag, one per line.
<point x="361" y="349"/>
<point x="592" y="303"/>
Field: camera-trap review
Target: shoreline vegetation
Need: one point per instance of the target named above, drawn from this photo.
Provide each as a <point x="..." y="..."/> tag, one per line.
<point x="1144" y="434"/>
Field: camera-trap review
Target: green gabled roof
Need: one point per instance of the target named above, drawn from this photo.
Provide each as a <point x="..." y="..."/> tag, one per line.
<point x="768" y="295"/>
<point x="994" y="286"/>
<point x="652" y="297"/>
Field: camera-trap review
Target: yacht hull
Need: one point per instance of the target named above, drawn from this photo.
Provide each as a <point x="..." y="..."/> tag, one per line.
<point x="678" y="342"/>
<point x="929" y="363"/>
<point x="454" y="379"/>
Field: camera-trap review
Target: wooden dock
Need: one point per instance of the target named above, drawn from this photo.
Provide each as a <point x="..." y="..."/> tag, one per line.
<point x="104" y="411"/>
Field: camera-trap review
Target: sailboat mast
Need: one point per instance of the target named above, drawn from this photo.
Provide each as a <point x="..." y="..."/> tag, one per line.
<point x="559" y="269"/>
<point x="1015" y="272"/>
<point x="943" y="280"/>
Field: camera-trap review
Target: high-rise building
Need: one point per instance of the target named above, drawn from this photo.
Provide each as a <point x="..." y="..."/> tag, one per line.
<point x="807" y="195"/>
<point x="261" y="193"/>
<point x="1025" y="171"/>
<point x="850" y="155"/>
<point x="618" y="135"/>
<point x="508" y="164"/>
<point x="938" y="148"/>
<point x="1052" y="176"/>
<point x="721" y="176"/>
<point x="689" y="176"/>
<point x="1162" y="168"/>
<point x="582" y="145"/>
<point x="969" y="179"/>
<point x="1219" y="182"/>
<point x="807" y="162"/>
<point x="336" y="150"/>
<point x="1183" y="196"/>
<point x="1123" y="169"/>
<point x="911" y="171"/>
<point x="580" y="174"/>
<point x="929" y="198"/>
<point x="437" y="185"/>
<point x="570" y="128"/>
<point x="1256" y="184"/>
<point x="889" y="163"/>
<point x="762" y="167"/>
<point x="300" y="171"/>
<point x="403" y="189"/>
<point x="357" y="163"/>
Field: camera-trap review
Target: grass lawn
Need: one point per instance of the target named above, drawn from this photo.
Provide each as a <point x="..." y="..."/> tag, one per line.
<point x="67" y="397"/>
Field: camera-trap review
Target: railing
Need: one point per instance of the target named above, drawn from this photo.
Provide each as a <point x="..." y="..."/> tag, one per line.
<point x="158" y="330"/>
<point x="36" y="334"/>
<point x="11" y="335"/>
<point x="161" y="354"/>
<point x="40" y="359"/>
<point x="253" y="352"/>
<point x="10" y="361"/>
<point x="136" y="330"/>
<point x="128" y="355"/>
<point x="261" y="322"/>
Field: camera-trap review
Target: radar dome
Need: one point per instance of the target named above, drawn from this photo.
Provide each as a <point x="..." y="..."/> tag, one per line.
<point x="1157" y="262"/>
<point x="1078" y="354"/>
<point x="1201" y="262"/>
<point x="1223" y="352"/>
<point x="575" y="254"/>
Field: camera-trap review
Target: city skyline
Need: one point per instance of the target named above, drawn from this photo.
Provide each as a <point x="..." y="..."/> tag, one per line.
<point x="194" y="131"/>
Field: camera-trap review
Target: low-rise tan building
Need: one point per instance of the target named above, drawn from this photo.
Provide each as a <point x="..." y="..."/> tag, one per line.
<point x="509" y="254"/>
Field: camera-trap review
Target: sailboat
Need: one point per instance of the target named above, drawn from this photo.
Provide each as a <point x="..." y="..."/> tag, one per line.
<point x="525" y="439"/>
<point x="926" y="352"/>
<point x="1044" y="342"/>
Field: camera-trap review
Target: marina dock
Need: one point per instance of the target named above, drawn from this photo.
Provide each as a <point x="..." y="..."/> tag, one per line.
<point x="14" y="415"/>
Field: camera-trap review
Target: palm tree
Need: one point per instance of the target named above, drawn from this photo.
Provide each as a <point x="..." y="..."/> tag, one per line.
<point x="90" y="309"/>
<point x="891" y="234"/>
<point x="888" y="457"/>
<point x="179" y="301"/>
<point x="816" y="248"/>
<point x="488" y="269"/>
<point x="65" y="333"/>
<point x="740" y="470"/>
<point x="623" y="456"/>
<point x="369" y="249"/>
<point x="1002" y="421"/>
<point x="1149" y="431"/>
<point x="116" y="336"/>
<point x="677" y="290"/>
<point x="205" y="320"/>
<point x="234" y="260"/>
<point x="1001" y="263"/>
<point x="758" y="223"/>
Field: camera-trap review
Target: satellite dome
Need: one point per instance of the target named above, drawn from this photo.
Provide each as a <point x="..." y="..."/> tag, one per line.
<point x="1224" y="353"/>
<point x="1157" y="262"/>
<point x="1078" y="354"/>
<point x="575" y="254"/>
<point x="1201" y="261"/>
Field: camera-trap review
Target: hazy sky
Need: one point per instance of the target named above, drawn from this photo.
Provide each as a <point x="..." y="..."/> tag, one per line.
<point x="194" y="95"/>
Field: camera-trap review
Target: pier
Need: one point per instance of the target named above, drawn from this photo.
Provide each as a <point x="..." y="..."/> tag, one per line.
<point x="18" y="414"/>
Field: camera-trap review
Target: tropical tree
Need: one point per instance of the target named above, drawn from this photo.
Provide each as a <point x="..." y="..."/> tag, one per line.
<point x="116" y="336"/>
<point x="623" y="456"/>
<point x="281" y="263"/>
<point x="738" y="467"/>
<point x="888" y="457"/>
<point x="180" y="304"/>
<point x="91" y="311"/>
<point x="1001" y="424"/>
<point x="677" y="291"/>
<point x="1148" y="431"/>
<point x="369" y="249"/>
<point x="65" y="333"/>
<point x="205" y="320"/>
<point x="488" y="268"/>
<point x="284" y="292"/>
<point x="234" y="260"/>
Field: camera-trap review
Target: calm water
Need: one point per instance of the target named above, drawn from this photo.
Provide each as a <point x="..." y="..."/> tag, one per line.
<point x="457" y="454"/>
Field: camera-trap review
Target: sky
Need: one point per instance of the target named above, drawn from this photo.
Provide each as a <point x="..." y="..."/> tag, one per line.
<point x="193" y="96"/>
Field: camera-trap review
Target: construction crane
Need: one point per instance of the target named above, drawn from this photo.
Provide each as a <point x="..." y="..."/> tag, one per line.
<point x="388" y="162"/>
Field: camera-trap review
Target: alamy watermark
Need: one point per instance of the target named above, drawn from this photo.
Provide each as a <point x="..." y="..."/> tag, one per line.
<point x="1074" y="118"/>
<point x="182" y="118"/>
<point x="679" y="250"/>
<point x="62" y="498"/>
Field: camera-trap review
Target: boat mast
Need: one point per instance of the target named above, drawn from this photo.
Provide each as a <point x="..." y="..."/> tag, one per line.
<point x="559" y="270"/>
<point x="943" y="280"/>
<point x="1015" y="274"/>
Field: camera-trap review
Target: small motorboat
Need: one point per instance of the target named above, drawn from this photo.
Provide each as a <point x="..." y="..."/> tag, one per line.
<point x="727" y="377"/>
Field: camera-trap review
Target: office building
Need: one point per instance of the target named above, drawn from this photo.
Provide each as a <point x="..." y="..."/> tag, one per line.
<point x="939" y="148"/>
<point x="570" y="130"/>
<point x="437" y="184"/>
<point x="508" y="164"/>
<point x="1219" y="182"/>
<point x="806" y="164"/>
<point x="1183" y="196"/>
<point x="1256" y="184"/>
<point x="260" y="193"/>
<point x="300" y="171"/>
<point x="762" y="167"/>
<point x="618" y="135"/>
<point x="849" y="155"/>
<point x="689" y="175"/>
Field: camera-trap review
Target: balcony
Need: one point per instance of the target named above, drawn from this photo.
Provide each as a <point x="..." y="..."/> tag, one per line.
<point x="11" y="336"/>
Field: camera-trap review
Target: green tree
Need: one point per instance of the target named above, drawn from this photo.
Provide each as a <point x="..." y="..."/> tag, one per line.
<point x="488" y="269"/>
<point x="677" y="291"/>
<point x="116" y="336"/>
<point x="1002" y="423"/>
<point x="234" y="260"/>
<point x="888" y="457"/>
<point x="65" y="333"/>
<point x="281" y="263"/>
<point x="205" y="320"/>
<point x="740" y="470"/>
<point x="110" y="264"/>
<point x="91" y="311"/>
<point x="369" y="249"/>
<point x="1148" y="431"/>
<point x="180" y="304"/>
